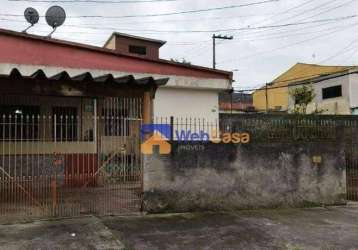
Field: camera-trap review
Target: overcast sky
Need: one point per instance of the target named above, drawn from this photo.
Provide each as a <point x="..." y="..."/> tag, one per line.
<point x="315" y="31"/>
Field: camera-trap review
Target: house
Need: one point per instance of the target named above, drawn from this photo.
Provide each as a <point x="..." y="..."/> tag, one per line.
<point x="275" y="95"/>
<point x="71" y="115"/>
<point x="192" y="94"/>
<point x="233" y="103"/>
<point x="192" y="91"/>
<point x="335" y="93"/>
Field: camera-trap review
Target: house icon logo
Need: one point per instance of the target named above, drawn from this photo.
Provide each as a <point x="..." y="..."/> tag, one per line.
<point x="160" y="135"/>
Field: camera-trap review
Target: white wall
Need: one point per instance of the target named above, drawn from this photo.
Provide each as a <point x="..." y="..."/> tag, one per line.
<point x="340" y="105"/>
<point x="174" y="80"/>
<point x="187" y="103"/>
<point x="343" y="80"/>
<point x="353" y="90"/>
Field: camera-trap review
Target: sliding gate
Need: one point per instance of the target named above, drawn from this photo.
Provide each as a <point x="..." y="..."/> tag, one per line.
<point x="71" y="158"/>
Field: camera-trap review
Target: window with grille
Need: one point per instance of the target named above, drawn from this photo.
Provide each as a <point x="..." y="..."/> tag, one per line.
<point x="116" y="122"/>
<point x="19" y="122"/>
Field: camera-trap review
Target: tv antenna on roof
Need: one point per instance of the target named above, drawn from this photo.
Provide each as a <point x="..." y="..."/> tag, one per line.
<point x="32" y="17"/>
<point x="55" y="17"/>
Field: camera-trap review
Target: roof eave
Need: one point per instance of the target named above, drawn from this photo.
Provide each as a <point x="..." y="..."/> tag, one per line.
<point x="228" y="75"/>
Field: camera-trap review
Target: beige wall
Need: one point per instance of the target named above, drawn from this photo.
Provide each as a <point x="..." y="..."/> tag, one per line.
<point x="277" y="97"/>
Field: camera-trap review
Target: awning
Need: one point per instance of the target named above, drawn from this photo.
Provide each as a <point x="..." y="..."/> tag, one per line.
<point x="75" y="83"/>
<point x="86" y="77"/>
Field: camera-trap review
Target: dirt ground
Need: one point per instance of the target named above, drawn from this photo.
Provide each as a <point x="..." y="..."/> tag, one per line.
<point x="316" y="228"/>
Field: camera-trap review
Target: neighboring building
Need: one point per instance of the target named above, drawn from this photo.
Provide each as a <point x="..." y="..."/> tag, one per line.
<point x="235" y="103"/>
<point x="276" y="96"/>
<point x="335" y="94"/>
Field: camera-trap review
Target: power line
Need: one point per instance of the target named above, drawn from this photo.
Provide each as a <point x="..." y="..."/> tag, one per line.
<point x="282" y="32"/>
<point x="283" y="35"/>
<point x="93" y="1"/>
<point x="191" y="43"/>
<point x="204" y="31"/>
<point x="170" y="20"/>
<point x="310" y="10"/>
<point x="213" y="30"/>
<point x="168" y="13"/>
<point x="220" y="30"/>
<point x="312" y="76"/>
<point x="296" y="81"/>
<point x="287" y="11"/>
<point x="240" y="29"/>
<point x="280" y="35"/>
<point x="342" y="51"/>
<point x="306" y="11"/>
<point x="332" y="8"/>
<point x="287" y="46"/>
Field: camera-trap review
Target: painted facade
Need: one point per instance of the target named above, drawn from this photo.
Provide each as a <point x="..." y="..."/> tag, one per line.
<point x="344" y="102"/>
<point x="276" y="97"/>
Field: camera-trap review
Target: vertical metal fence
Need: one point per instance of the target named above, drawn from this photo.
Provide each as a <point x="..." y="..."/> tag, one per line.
<point x="67" y="161"/>
<point x="184" y="126"/>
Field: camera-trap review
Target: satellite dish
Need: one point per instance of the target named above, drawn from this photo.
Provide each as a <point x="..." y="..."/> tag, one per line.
<point x="55" y="17"/>
<point x="32" y="17"/>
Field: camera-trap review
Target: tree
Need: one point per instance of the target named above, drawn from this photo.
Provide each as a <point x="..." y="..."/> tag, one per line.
<point x="302" y="97"/>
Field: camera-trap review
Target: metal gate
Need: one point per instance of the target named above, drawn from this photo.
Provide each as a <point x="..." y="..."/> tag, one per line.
<point x="352" y="172"/>
<point x="70" y="157"/>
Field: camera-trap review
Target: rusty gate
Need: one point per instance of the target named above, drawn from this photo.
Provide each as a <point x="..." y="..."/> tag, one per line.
<point x="65" y="157"/>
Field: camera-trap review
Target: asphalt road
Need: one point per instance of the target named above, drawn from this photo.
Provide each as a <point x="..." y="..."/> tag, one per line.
<point x="316" y="228"/>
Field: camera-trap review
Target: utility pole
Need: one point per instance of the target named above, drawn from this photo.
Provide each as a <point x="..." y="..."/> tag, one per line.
<point x="214" y="46"/>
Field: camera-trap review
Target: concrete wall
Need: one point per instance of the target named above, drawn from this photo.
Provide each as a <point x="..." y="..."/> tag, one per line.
<point x="228" y="177"/>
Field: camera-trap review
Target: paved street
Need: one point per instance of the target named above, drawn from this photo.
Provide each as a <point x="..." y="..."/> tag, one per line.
<point x="316" y="228"/>
<point x="84" y="233"/>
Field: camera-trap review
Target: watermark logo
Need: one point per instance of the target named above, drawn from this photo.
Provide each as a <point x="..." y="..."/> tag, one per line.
<point x="159" y="135"/>
<point x="226" y="138"/>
